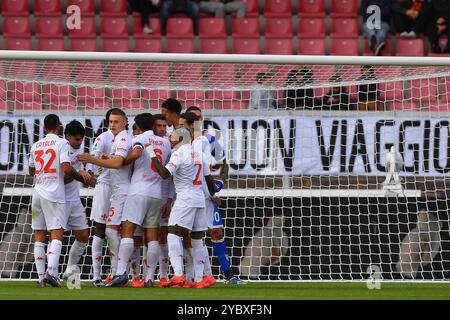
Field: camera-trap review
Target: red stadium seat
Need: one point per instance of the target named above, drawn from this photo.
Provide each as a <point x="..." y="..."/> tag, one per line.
<point x="116" y="45"/>
<point x="344" y="27"/>
<point x="404" y="106"/>
<point x="311" y="27"/>
<point x="56" y="95"/>
<point x="279" y="28"/>
<point x="277" y="8"/>
<point x="251" y="8"/>
<point x="212" y="27"/>
<point x="216" y="75"/>
<point x="390" y="91"/>
<point x="180" y="27"/>
<point x="311" y="8"/>
<point x="113" y="8"/>
<point x="114" y="27"/>
<point x="213" y="45"/>
<point x="15" y="8"/>
<point x="155" y="75"/>
<point x="445" y="94"/>
<point x="148" y="45"/>
<point x="90" y="96"/>
<point x="246" y="46"/>
<point x="410" y="47"/>
<point x="47" y="8"/>
<point x="387" y="51"/>
<point x="49" y="27"/>
<point x="245" y="28"/>
<point x="278" y="46"/>
<point x="87" y="29"/>
<point x="155" y="25"/>
<point x="51" y="44"/>
<point x="83" y="44"/>
<point x="312" y="46"/>
<point x="182" y="45"/>
<point x="124" y="75"/>
<point x="344" y="47"/>
<point x="344" y="8"/>
<point x="16" y="43"/>
<point x="192" y="74"/>
<point x="443" y="43"/>
<point x="249" y="72"/>
<point x="16" y="27"/>
<point x="86" y="7"/>
<point x="26" y="95"/>
<point x="424" y="90"/>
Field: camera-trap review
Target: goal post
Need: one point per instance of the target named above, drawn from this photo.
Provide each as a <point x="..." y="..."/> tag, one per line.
<point x="338" y="165"/>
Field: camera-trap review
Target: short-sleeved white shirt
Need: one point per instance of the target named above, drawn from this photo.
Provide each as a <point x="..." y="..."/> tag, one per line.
<point x="187" y="166"/>
<point x="103" y="144"/>
<point x="46" y="155"/>
<point x="145" y="180"/>
<point x="120" y="178"/>
<point x="72" y="189"/>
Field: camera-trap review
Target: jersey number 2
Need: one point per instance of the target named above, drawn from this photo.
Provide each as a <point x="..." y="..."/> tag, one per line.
<point x="47" y="167"/>
<point x="196" y="181"/>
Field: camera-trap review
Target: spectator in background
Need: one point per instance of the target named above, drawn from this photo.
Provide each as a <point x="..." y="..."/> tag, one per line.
<point x="220" y="7"/>
<point x="376" y="37"/>
<point x="264" y="98"/>
<point x="439" y="25"/>
<point x="337" y="98"/>
<point x="302" y="97"/>
<point x="368" y="92"/>
<point x="145" y="7"/>
<point x="170" y="7"/>
<point x="410" y="16"/>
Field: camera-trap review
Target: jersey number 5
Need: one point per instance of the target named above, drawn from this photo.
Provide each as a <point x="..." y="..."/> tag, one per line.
<point x="47" y="167"/>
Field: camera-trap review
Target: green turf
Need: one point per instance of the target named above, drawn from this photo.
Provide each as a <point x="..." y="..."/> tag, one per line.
<point x="254" y="290"/>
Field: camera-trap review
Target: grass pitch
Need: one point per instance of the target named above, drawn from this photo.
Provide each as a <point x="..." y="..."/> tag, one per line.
<point x="252" y="291"/>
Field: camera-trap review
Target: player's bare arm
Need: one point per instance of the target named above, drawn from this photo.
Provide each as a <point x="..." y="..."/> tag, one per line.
<point x="224" y="169"/>
<point x="70" y="171"/>
<point x="162" y="171"/>
<point x="135" y="154"/>
<point x="31" y="171"/>
<point x="115" y="162"/>
<point x="210" y="183"/>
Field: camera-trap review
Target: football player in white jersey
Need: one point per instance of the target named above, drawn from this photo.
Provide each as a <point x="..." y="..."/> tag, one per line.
<point x="160" y="129"/>
<point x="144" y="200"/>
<point x="120" y="178"/>
<point x="49" y="162"/>
<point x="215" y="225"/>
<point x="101" y="201"/>
<point x="186" y="166"/>
<point x="76" y="217"/>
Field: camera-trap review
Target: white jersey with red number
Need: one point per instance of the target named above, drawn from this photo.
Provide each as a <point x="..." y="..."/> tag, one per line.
<point x="187" y="166"/>
<point x="145" y="180"/>
<point x="120" y="178"/>
<point x="103" y="144"/>
<point x="202" y="143"/>
<point x="73" y="188"/>
<point x="46" y="155"/>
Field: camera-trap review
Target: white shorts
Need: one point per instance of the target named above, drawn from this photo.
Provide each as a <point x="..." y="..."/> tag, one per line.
<point x="47" y="215"/>
<point x="138" y="232"/>
<point x="101" y="203"/>
<point x="114" y="217"/>
<point x="142" y="210"/>
<point x="193" y="219"/>
<point x="76" y="216"/>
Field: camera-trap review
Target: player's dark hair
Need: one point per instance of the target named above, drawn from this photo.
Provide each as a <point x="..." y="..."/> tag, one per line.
<point x="159" y="116"/>
<point x="108" y="113"/>
<point x="144" y="121"/>
<point x="74" y="128"/>
<point x="193" y="108"/>
<point x="190" y="117"/>
<point x="51" y="122"/>
<point x="173" y="105"/>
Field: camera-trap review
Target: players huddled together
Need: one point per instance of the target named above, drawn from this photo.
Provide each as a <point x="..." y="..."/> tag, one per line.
<point x="153" y="187"/>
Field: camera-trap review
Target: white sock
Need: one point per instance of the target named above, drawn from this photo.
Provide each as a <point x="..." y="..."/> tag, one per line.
<point x="125" y="252"/>
<point x="136" y="262"/>
<point x="39" y="259"/>
<point x="53" y="257"/>
<point x="97" y="255"/>
<point x="114" y="243"/>
<point x="208" y="271"/>
<point x="175" y="253"/>
<point x="144" y="261"/>
<point x="189" y="262"/>
<point x="163" y="261"/>
<point x="152" y="259"/>
<point x="198" y="256"/>
<point x="75" y="253"/>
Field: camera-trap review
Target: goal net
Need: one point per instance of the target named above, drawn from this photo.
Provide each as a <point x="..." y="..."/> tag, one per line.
<point x="338" y="166"/>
